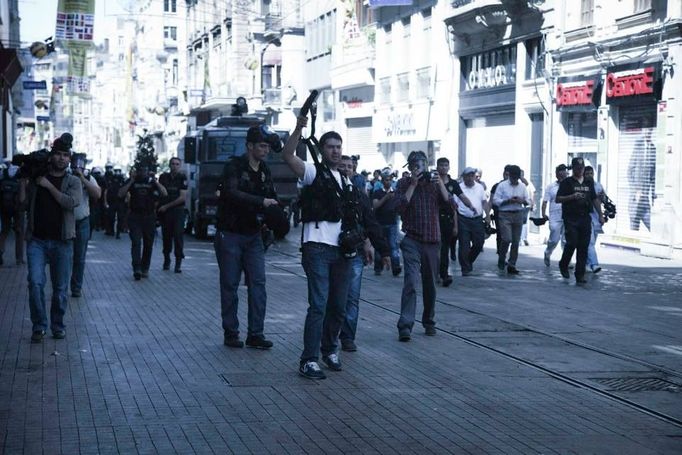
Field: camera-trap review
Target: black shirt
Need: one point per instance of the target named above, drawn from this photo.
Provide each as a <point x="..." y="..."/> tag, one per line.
<point x="48" y="219"/>
<point x="387" y="213"/>
<point x="143" y="197"/>
<point x="453" y="187"/>
<point x="173" y="184"/>
<point x="113" y="184"/>
<point x="240" y="208"/>
<point x="576" y="209"/>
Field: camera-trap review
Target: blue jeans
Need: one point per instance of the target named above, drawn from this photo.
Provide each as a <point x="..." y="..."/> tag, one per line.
<point x="328" y="274"/>
<point x="59" y="255"/>
<point x="390" y="232"/>
<point x="80" y="247"/>
<point x="237" y="252"/>
<point x="350" y="322"/>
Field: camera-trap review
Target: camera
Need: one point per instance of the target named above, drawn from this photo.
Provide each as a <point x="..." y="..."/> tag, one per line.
<point x="429" y="175"/>
<point x="33" y="165"/>
<point x="489" y="230"/>
<point x="350" y="240"/>
<point x="78" y="160"/>
<point x="609" y="208"/>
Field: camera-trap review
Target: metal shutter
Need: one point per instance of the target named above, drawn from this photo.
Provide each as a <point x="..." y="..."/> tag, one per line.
<point x="359" y="137"/>
<point x="490" y="145"/>
<point x="636" y="168"/>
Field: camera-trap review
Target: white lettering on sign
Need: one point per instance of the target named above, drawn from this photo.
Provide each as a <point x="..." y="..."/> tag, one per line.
<point x="488" y="77"/>
<point x="400" y="125"/>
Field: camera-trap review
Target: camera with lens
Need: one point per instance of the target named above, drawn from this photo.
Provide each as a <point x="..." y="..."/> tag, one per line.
<point x="79" y="160"/>
<point x="489" y="230"/>
<point x="350" y="241"/>
<point x="33" y="165"/>
<point x="609" y="208"/>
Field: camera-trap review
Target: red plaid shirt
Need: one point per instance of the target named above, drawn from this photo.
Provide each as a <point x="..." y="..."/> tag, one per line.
<point x="420" y="215"/>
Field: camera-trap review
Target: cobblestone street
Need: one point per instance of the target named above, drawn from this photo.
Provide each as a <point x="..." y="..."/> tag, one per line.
<point x="527" y="364"/>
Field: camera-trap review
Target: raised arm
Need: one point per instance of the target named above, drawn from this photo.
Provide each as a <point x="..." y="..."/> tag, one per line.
<point x="296" y="164"/>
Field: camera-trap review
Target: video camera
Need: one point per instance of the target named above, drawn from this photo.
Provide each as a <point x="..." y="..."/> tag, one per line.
<point x="79" y="160"/>
<point x="33" y="165"/>
<point x="609" y="208"/>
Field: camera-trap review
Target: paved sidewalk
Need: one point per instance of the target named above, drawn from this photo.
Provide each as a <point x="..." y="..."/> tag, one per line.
<point x="143" y="368"/>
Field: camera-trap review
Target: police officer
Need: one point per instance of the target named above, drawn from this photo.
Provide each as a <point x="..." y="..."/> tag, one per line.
<point x="172" y="213"/>
<point x="144" y="191"/>
<point x="97" y="218"/>
<point x="11" y="215"/>
<point x="578" y="198"/>
<point x="247" y="192"/>
<point x="113" y="205"/>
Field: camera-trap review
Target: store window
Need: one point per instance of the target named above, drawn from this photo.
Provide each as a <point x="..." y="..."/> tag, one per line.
<point x="581" y="129"/>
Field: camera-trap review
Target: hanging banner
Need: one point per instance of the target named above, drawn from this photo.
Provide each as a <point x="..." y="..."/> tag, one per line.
<point x="75" y="31"/>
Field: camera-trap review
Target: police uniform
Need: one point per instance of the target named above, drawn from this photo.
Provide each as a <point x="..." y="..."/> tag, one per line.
<point x="144" y="196"/>
<point x="173" y="219"/>
<point x="116" y="207"/>
<point x="239" y="246"/>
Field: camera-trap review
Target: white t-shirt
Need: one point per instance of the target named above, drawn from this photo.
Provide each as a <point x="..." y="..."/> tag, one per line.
<point x="320" y="231"/>
<point x="550" y="196"/>
<point x="476" y="195"/>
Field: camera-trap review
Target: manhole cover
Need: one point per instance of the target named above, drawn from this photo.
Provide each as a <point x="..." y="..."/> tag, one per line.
<point x="638" y="384"/>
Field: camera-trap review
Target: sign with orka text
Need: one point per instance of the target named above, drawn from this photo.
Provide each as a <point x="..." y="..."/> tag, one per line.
<point x="578" y="93"/>
<point x="495" y="68"/>
<point x="633" y="84"/>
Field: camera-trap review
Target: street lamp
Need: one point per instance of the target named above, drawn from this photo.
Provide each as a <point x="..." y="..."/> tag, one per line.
<point x="277" y="42"/>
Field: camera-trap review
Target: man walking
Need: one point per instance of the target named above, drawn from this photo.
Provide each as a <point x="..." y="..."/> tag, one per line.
<point x="511" y="198"/>
<point x="383" y="202"/>
<point x="172" y="213"/>
<point x="325" y="210"/>
<point x="247" y="192"/>
<point x="50" y="230"/>
<point x="144" y="191"/>
<point x="556" y="223"/>
<point x="471" y="230"/>
<point x="90" y="191"/>
<point x="419" y="199"/>
<point x="577" y="198"/>
<point x="592" y="258"/>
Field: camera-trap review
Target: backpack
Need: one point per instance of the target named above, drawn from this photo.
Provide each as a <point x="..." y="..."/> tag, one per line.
<point x="9" y="188"/>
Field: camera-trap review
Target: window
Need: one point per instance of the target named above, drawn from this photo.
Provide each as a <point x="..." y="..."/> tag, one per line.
<point x="385" y="90"/>
<point x="586" y="12"/>
<point x="170" y="6"/>
<point x="535" y="61"/>
<point x="423" y="83"/>
<point x="363" y="13"/>
<point x="170" y="33"/>
<point x="403" y="87"/>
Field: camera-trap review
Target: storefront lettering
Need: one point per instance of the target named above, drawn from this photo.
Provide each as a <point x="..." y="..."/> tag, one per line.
<point x="400" y="125"/>
<point x="487" y="77"/>
<point x="574" y="93"/>
<point x="630" y="83"/>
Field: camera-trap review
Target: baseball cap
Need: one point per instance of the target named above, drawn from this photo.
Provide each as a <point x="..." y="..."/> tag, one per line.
<point x="577" y="162"/>
<point x="469" y="170"/>
<point x="561" y="167"/>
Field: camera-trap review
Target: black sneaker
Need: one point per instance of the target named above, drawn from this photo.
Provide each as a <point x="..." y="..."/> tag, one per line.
<point x="59" y="334"/>
<point x="580" y="280"/>
<point x="166" y="262"/>
<point x="564" y="272"/>
<point x="258" y="342"/>
<point x="501" y="263"/>
<point x="332" y="361"/>
<point x="233" y="342"/>
<point x="397" y="271"/>
<point x="511" y="270"/>
<point x="75" y="293"/>
<point x="37" y="336"/>
<point x="447" y="281"/>
<point x="404" y="336"/>
<point x="311" y="370"/>
<point x="430" y="330"/>
<point x="137" y="276"/>
<point x="348" y="346"/>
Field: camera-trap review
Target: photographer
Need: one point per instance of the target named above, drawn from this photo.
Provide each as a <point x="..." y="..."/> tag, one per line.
<point x="172" y="213"/>
<point x="90" y="190"/>
<point x="11" y="213"/>
<point x="144" y="191"/>
<point x="419" y="199"/>
<point x="51" y="228"/>
<point x="247" y="194"/>
<point x="327" y="269"/>
<point x="577" y="198"/>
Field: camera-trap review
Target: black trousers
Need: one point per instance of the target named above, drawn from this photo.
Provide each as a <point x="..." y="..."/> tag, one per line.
<point x="114" y="217"/>
<point x="172" y="230"/>
<point x="578" y="233"/>
<point x="447" y="243"/>
<point x="142" y="231"/>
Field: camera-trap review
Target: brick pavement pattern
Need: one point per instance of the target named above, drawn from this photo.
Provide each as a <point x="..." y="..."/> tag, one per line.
<point x="143" y="370"/>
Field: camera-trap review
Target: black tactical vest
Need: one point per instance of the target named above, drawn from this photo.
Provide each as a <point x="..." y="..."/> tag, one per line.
<point x="321" y="200"/>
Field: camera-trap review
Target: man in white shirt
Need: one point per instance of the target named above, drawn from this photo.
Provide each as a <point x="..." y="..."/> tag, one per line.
<point x="511" y="198"/>
<point x="556" y="223"/>
<point x="471" y="232"/>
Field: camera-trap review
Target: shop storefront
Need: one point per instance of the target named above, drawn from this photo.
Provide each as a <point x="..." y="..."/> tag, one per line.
<point x="487" y="109"/>
<point x="633" y="95"/>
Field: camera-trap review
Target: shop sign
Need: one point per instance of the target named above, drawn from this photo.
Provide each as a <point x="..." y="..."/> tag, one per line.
<point x="400" y="125"/>
<point x="496" y="68"/>
<point x="578" y="93"/>
<point x="625" y="85"/>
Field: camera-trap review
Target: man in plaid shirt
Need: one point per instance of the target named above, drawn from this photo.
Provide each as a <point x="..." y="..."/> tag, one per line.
<point x="419" y="198"/>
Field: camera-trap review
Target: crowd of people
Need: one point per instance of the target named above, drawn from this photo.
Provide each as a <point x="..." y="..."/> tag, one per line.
<point x="349" y="222"/>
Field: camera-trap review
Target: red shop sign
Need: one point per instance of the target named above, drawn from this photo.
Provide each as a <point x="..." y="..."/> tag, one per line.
<point x="574" y="93"/>
<point x="628" y="83"/>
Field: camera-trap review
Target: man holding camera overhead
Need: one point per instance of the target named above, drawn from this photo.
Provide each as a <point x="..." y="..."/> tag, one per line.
<point x="419" y="199"/>
<point x="51" y="228"/>
<point x="246" y="203"/>
<point x="145" y="192"/>
<point x="90" y="190"/>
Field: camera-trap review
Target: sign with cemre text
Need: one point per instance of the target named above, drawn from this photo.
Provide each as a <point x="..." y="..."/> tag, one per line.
<point x="628" y="84"/>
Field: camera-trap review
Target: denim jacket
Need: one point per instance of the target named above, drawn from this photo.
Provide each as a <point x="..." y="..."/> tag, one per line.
<point x="72" y="193"/>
